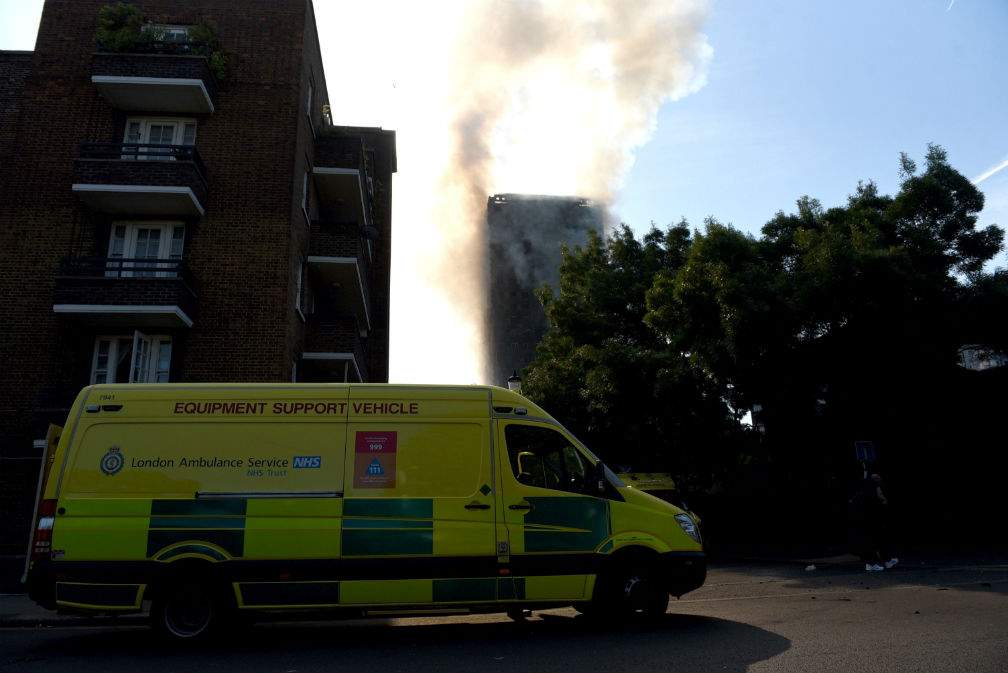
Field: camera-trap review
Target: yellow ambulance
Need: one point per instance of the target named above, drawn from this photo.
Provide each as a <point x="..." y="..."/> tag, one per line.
<point x="210" y="501"/>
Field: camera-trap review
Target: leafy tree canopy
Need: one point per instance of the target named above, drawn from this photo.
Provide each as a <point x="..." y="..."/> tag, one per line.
<point x="831" y="324"/>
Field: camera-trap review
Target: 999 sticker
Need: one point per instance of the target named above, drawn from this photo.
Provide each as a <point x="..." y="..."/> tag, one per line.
<point x="375" y="459"/>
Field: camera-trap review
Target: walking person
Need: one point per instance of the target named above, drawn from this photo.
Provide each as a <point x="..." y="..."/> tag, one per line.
<point x="862" y="542"/>
<point x="873" y="527"/>
<point x="880" y="524"/>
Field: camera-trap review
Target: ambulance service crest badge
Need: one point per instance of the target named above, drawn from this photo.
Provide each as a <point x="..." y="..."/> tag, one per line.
<point x="112" y="461"/>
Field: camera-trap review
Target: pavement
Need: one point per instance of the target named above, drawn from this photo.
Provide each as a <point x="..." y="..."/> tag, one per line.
<point x="17" y="610"/>
<point x="748" y="616"/>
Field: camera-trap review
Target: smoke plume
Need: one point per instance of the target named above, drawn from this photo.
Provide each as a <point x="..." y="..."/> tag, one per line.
<point x="508" y="96"/>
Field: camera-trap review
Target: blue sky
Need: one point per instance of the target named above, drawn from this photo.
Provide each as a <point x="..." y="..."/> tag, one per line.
<point x="801" y="97"/>
<point x="810" y="97"/>
<point x="805" y="98"/>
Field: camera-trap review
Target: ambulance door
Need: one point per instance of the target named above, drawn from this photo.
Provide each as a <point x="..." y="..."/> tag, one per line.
<point x="418" y="515"/>
<point x="555" y="526"/>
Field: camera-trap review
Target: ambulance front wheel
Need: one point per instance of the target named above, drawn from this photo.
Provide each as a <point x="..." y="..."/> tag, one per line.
<point x="185" y="611"/>
<point x="630" y="589"/>
<point x="642" y="593"/>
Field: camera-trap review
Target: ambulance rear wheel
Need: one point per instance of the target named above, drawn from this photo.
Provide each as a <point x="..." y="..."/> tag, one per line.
<point x="519" y="615"/>
<point x="185" y="611"/>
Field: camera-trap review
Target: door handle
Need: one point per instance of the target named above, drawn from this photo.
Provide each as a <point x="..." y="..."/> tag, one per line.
<point x="477" y="505"/>
<point x="521" y="505"/>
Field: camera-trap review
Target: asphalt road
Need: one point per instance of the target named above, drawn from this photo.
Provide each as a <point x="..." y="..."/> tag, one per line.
<point x="758" y="618"/>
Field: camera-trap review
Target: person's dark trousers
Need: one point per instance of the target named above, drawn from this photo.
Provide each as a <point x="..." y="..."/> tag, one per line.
<point x="881" y="538"/>
<point x="861" y="537"/>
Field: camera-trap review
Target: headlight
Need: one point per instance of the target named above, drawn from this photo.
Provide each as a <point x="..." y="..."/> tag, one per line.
<point x="688" y="526"/>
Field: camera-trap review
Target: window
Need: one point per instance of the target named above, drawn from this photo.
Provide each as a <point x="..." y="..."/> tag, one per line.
<point x="300" y="287"/>
<point x="543" y="457"/>
<point x="137" y="248"/>
<point x="189" y="133"/>
<point x="141" y="131"/>
<point x="131" y="359"/>
<point x="167" y="33"/>
<point x="309" y="99"/>
<point x="304" y="194"/>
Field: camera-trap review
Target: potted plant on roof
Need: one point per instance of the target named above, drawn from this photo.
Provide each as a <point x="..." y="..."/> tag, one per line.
<point x="122" y="29"/>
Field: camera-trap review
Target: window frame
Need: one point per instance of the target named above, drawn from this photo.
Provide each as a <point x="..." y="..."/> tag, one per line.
<point x="146" y="122"/>
<point x="307" y="186"/>
<point x="309" y="103"/>
<point x="168" y="28"/>
<point x="155" y="343"/>
<point x="129" y="240"/>
<point x="305" y="197"/>
<point x="143" y="135"/>
<point x="586" y="462"/>
<point x="298" y="299"/>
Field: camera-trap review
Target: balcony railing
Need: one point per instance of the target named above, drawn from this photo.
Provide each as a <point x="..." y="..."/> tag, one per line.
<point x="341" y="239"/>
<point x="145" y="152"/>
<point x="117" y="267"/>
<point x="147" y="292"/>
<point x="335" y="148"/>
<point x="141" y="179"/>
<point x="172" y="47"/>
<point x="331" y="333"/>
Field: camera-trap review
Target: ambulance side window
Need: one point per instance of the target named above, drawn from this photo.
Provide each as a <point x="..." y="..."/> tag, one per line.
<point x="542" y="457"/>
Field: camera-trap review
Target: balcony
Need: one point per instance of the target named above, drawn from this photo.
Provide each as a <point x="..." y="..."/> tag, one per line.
<point x="334" y="350"/>
<point x="141" y="179"/>
<point x="162" y="83"/>
<point x="343" y="179"/>
<point x="125" y="292"/>
<point x="338" y="261"/>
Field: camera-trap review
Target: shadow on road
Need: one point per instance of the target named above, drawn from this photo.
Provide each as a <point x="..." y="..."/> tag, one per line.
<point x="552" y="642"/>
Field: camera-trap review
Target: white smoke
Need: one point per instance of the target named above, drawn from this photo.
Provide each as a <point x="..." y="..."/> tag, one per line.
<point x="507" y="96"/>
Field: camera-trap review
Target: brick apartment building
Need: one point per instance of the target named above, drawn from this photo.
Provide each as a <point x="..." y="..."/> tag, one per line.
<point x="163" y="218"/>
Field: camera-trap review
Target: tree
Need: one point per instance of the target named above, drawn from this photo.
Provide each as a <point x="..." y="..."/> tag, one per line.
<point x="629" y="391"/>
<point x="841" y="324"/>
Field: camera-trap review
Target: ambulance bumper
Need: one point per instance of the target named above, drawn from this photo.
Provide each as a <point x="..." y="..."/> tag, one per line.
<point x="684" y="571"/>
<point x="40" y="584"/>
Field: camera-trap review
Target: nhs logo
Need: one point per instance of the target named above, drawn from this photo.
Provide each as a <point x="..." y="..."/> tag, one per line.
<point x="307" y="462"/>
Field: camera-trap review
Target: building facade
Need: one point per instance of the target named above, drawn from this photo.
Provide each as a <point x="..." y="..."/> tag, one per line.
<point x="525" y="235"/>
<point x="176" y="205"/>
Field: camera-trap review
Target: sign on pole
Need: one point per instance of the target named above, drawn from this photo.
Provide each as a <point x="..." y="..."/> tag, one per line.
<point x="865" y="450"/>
